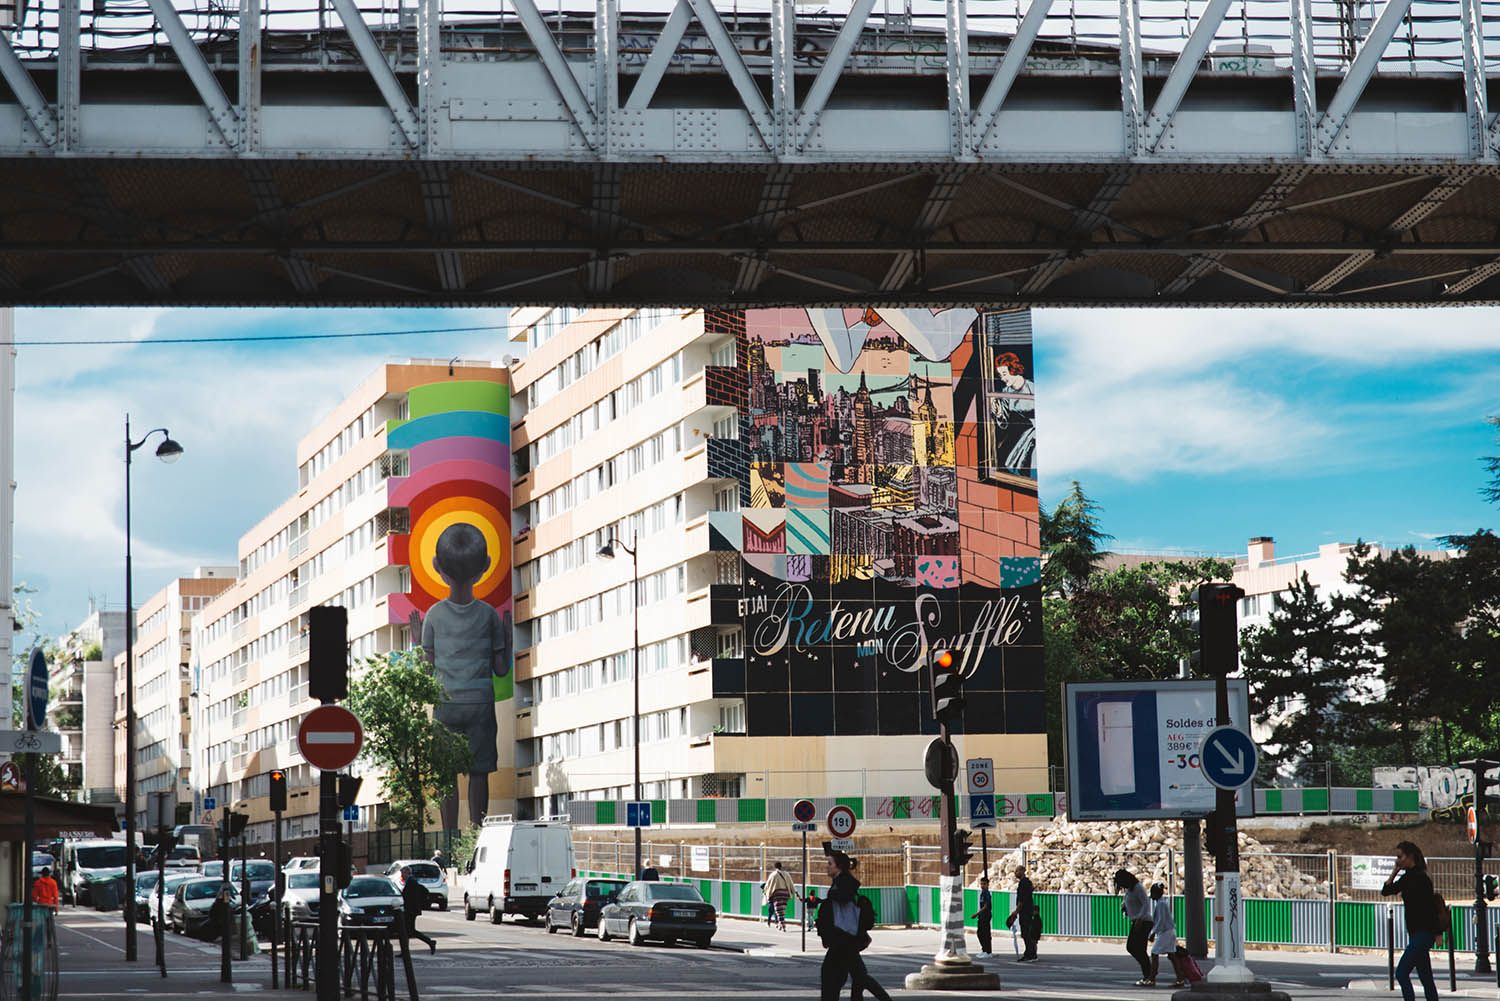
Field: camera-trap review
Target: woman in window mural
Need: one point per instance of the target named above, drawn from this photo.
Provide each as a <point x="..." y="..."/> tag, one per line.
<point x="1013" y="416"/>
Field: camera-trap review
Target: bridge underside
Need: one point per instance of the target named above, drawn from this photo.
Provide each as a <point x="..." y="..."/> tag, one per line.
<point x="266" y="231"/>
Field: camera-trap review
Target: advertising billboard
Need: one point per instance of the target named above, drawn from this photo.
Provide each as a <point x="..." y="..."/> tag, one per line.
<point x="1132" y="748"/>
<point x="887" y="510"/>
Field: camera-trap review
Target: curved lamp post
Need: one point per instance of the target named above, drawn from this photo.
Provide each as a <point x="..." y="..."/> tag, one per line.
<point x="608" y="552"/>
<point x="168" y="451"/>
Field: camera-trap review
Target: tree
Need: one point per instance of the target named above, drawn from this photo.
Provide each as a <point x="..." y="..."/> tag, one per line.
<point x="1309" y="680"/>
<point x="1135" y="624"/>
<point x="419" y="758"/>
<point x="1491" y="490"/>
<point x="1070" y="542"/>
<point x="1434" y="626"/>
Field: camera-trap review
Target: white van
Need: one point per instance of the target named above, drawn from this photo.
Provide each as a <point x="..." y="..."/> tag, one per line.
<point x="518" y="866"/>
<point x="87" y="862"/>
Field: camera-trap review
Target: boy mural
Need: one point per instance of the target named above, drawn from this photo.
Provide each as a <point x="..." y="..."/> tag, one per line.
<point x="468" y="646"/>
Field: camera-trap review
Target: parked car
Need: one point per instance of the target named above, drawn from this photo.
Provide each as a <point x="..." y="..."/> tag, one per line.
<point x="214" y="869"/>
<point x="169" y="887"/>
<point x="192" y="904"/>
<point x="301" y="863"/>
<point x="261" y="874"/>
<point x="140" y="901"/>
<point x="577" y="905"/>
<point x="184" y="857"/>
<point x="662" y="911"/>
<point x="300" y="900"/>
<point x="370" y="900"/>
<point x="40" y="860"/>
<point x="517" y="867"/>
<point x="427" y="873"/>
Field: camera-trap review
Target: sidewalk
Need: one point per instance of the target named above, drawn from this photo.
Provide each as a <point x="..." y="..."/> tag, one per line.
<point x="91" y="954"/>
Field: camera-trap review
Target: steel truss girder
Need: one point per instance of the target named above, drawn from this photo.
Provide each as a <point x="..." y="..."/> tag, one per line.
<point x="1360" y="71"/>
<point x="226" y="120"/>
<point x="380" y="70"/>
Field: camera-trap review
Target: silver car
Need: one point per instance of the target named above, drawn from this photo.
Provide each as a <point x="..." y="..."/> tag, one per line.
<point x="427" y="873"/>
<point x="300" y="901"/>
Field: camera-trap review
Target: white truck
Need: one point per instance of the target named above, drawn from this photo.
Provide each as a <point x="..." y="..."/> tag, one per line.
<point x="517" y="867"/>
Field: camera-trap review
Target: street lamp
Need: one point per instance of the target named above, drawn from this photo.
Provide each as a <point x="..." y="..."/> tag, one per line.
<point x="168" y="451"/>
<point x="608" y="552"/>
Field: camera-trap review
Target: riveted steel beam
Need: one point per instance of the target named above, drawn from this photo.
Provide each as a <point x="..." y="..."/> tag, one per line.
<point x="775" y="191"/>
<point x="380" y="71"/>
<point x="437" y="201"/>
<point x="69" y="76"/>
<point x="38" y="113"/>
<point x="430" y="74"/>
<point x="605" y="213"/>
<point x="1132" y="95"/>
<point x="1183" y="71"/>
<point x="661" y="57"/>
<point x="140" y="262"/>
<point x="1270" y="202"/>
<point x="1366" y="60"/>
<point x="249" y="76"/>
<point x="1085" y="221"/>
<point x="606" y="72"/>
<point x="1304" y="77"/>
<point x="832" y="68"/>
<point x="272" y="213"/>
<point x="1476" y="86"/>
<point x="220" y="111"/>
<point x="783" y="77"/>
<point x="744" y="84"/>
<point x="956" y="64"/>
<point x="998" y="89"/>
<point x="945" y="187"/>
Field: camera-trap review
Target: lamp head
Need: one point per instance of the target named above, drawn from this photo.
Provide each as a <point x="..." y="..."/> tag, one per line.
<point x="608" y="550"/>
<point x="169" y="451"/>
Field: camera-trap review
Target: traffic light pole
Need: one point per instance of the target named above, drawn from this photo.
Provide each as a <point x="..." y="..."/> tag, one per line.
<point x="277" y="892"/>
<point x="1480" y="768"/>
<point x="226" y="854"/>
<point x="328" y="882"/>
<point x="1229" y="905"/>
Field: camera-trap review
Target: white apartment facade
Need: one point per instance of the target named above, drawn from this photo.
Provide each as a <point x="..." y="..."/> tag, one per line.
<point x="163" y="697"/>
<point x="82" y="703"/>
<point x="326" y="544"/>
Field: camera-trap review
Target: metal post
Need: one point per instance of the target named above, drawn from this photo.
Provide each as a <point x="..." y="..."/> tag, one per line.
<point x="129" y="715"/>
<point x="278" y="891"/>
<point x="161" y="874"/>
<point x="226" y="970"/>
<point x="27" y="919"/>
<point x="802" y="911"/>
<point x="1452" y="968"/>
<point x="1390" y="944"/>
<point x="244" y="893"/>
<point x="1333" y="901"/>
<point x="635" y="673"/>
<point x="984" y="853"/>
<point x="328" y="880"/>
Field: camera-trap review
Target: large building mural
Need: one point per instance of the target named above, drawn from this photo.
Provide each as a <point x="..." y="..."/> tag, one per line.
<point x="888" y="498"/>
<point x="457" y="437"/>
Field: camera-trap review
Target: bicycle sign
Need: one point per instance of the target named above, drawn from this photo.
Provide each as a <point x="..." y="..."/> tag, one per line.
<point x="841" y="821"/>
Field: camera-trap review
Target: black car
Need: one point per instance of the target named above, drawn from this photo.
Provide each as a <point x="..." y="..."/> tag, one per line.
<point x="370" y="900"/>
<point x="578" y="904"/>
<point x="261" y="876"/>
<point x="662" y="911"/>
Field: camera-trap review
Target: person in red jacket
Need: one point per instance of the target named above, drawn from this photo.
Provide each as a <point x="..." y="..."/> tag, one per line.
<point x="44" y="889"/>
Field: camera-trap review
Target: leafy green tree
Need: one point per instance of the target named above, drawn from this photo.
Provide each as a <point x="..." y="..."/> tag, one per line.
<point x="1309" y="680"/>
<point x="1434" y="625"/>
<point x="1071" y="543"/>
<point x="1134" y="623"/>
<point x="1491" y="490"/>
<point x="418" y="757"/>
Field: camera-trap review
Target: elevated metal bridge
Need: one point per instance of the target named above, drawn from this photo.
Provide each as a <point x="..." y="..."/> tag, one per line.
<point x="1146" y="152"/>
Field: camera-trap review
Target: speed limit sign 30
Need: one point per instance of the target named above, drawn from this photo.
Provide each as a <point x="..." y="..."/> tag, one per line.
<point x="841" y="821"/>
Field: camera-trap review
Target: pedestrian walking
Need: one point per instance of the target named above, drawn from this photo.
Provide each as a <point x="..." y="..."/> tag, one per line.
<point x="414" y="900"/>
<point x="1410" y="879"/>
<point x="1137" y="909"/>
<point x="844" y="922"/>
<point x="982" y="918"/>
<point x="1028" y="914"/>
<point x="775" y="892"/>
<point x="44" y="890"/>
<point x="1163" y="935"/>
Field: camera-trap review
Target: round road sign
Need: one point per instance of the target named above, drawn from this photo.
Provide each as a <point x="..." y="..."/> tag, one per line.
<point x="804" y="811"/>
<point x="330" y="737"/>
<point x="1473" y="824"/>
<point x="37" y="691"/>
<point x="841" y="821"/>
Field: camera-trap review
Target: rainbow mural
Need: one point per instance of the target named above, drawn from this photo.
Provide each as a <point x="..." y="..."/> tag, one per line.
<point x="458" y="437"/>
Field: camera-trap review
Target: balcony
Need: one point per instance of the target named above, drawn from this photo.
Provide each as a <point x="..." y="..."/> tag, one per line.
<point x="297" y="595"/>
<point x="297" y="546"/>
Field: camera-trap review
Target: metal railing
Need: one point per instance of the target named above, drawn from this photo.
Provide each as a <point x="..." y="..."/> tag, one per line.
<point x="366" y="959"/>
<point x="1254" y="38"/>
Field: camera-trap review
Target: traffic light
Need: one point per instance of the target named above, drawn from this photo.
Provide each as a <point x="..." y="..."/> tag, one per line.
<point x="328" y="652"/>
<point x="1213" y="833"/>
<point x="1486" y="786"/>
<point x="947" y="689"/>
<point x="963" y="847"/>
<point x="346" y="863"/>
<point x="164" y="845"/>
<point x="235" y="823"/>
<point x="349" y="790"/>
<point x="1217" y="652"/>
<point x="1491" y="888"/>
<point x="278" y="791"/>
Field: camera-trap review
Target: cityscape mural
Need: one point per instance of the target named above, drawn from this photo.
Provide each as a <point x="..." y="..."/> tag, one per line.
<point x="888" y="510"/>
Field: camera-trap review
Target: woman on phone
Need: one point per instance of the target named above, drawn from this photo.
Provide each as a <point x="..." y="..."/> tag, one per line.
<point x="1409" y="878"/>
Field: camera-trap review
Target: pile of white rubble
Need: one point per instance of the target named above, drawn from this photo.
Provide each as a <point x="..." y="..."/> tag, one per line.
<point x="1062" y="857"/>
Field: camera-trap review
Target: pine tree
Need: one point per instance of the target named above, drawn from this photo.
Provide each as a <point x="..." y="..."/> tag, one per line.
<point x="1308" y="681"/>
<point x="1071" y="543"/>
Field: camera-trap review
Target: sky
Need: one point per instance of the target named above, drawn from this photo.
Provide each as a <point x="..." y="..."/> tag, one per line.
<point x="1192" y="429"/>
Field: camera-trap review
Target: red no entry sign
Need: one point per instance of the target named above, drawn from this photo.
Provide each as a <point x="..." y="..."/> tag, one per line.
<point x="330" y="737"/>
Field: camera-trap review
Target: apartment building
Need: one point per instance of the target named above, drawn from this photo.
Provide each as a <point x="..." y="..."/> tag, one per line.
<point x="163" y="698"/>
<point x="82" y="703"/>
<point x="817" y="500"/>
<point x="415" y="447"/>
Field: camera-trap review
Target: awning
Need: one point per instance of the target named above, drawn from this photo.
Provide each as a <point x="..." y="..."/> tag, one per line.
<point x="54" y="818"/>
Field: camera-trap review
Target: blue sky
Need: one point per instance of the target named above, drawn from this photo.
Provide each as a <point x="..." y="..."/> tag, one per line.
<point x="1194" y="429"/>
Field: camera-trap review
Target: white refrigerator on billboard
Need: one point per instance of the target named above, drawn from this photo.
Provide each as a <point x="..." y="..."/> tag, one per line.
<point x="1116" y="748"/>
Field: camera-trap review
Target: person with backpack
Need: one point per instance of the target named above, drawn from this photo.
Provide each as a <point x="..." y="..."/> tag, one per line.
<point x="1137" y="910"/>
<point x="1409" y="878"/>
<point x="414" y="900"/>
<point x="1028" y="914"/>
<point x="844" y="922"/>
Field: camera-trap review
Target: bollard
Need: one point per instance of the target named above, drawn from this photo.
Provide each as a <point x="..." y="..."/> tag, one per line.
<point x="1452" y="969"/>
<point x="1390" y="943"/>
